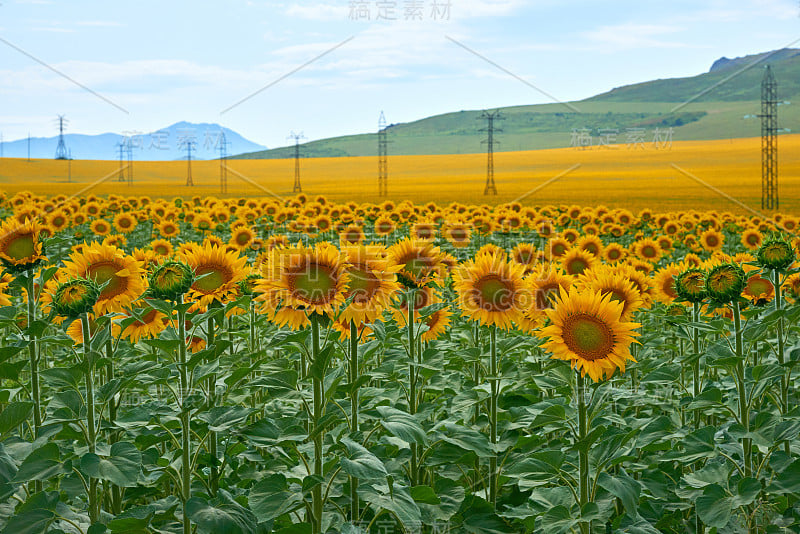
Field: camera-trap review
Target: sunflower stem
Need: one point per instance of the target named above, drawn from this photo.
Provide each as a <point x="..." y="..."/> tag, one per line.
<point x="316" y="494"/>
<point x="583" y="451"/>
<point x="33" y="351"/>
<point x="412" y="373"/>
<point x="776" y="281"/>
<point x="186" y="466"/>
<point x="353" y="413"/>
<point x="493" y="416"/>
<point x="94" y="505"/>
<point x="213" y="475"/>
<point x="696" y="358"/>
<point x="744" y="412"/>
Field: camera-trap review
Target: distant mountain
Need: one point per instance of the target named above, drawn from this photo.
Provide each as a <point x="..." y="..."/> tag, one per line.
<point x="161" y="145"/>
<point x="722" y="103"/>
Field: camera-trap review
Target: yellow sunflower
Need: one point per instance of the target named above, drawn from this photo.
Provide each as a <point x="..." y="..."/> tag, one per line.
<point x="372" y="286"/>
<point x="217" y="273"/>
<point x="621" y="290"/>
<point x="576" y="261"/>
<point x="712" y="240"/>
<point x="100" y="227"/>
<point x="458" y="234"/>
<point x="147" y="323"/>
<point x="162" y="248"/>
<point x="310" y="279"/>
<point x="664" y="283"/>
<point x="419" y="261"/>
<point x="125" y="223"/>
<point x="351" y="235"/>
<point x="648" y="250"/>
<point x="119" y="275"/>
<point x="586" y="329"/>
<point x="492" y="291"/>
<point x="436" y="323"/>
<point x="241" y="237"/>
<point x="20" y="244"/>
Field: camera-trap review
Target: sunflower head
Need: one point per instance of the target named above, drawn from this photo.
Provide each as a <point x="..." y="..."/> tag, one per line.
<point x="248" y="285"/>
<point x="75" y="297"/>
<point x="21" y="246"/>
<point x="170" y="280"/>
<point x="725" y="282"/>
<point x="776" y="253"/>
<point x="690" y="285"/>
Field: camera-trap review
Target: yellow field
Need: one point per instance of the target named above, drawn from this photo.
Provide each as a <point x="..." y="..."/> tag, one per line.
<point x="691" y="174"/>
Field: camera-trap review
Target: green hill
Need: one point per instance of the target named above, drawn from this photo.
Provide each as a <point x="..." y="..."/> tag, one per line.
<point x="719" y="104"/>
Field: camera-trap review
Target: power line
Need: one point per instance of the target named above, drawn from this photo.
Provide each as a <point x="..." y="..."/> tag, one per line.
<point x="490" y="117"/>
<point x="297" y="137"/>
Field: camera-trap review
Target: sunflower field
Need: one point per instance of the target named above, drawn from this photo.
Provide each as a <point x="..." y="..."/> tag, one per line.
<point x="253" y="365"/>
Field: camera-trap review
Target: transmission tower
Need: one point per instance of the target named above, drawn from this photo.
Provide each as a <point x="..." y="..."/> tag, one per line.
<point x="121" y="146"/>
<point x="297" y="137"/>
<point x="61" y="149"/>
<point x="223" y="162"/>
<point x="490" y="117"/>
<point x="189" y="148"/>
<point x="129" y="150"/>
<point x="383" y="158"/>
<point x="769" y="141"/>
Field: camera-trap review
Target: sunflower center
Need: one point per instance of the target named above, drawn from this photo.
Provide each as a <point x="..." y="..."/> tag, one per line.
<point x="588" y="337"/>
<point x="493" y="293"/>
<point x="363" y="284"/>
<point x="242" y="238"/>
<point x="752" y="239"/>
<point x="106" y="271"/>
<point x="669" y="288"/>
<point x="313" y="283"/>
<point x="648" y="251"/>
<point x="759" y="286"/>
<point x="214" y="277"/>
<point x="21" y="247"/>
<point x="712" y="240"/>
<point x="458" y="234"/>
<point x="577" y="266"/>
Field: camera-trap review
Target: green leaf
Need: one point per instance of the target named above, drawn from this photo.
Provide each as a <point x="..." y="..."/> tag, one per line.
<point x="450" y="495"/>
<point x="319" y="366"/>
<point x="361" y="463"/>
<point x="397" y="501"/>
<point x="41" y="464"/>
<point x="14" y="415"/>
<point x="270" y="498"/>
<point x="220" y="515"/>
<point x="121" y="468"/>
<point x="467" y="439"/>
<point x="623" y="487"/>
<point x="425" y="495"/>
<point x="222" y="418"/>
<point x="34" y="516"/>
<point x="135" y="519"/>
<point x="401" y="425"/>
<point x="714" y="506"/>
<point x="788" y="481"/>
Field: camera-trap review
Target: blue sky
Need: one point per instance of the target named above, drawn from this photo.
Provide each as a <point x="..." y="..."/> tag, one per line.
<point x="164" y="62"/>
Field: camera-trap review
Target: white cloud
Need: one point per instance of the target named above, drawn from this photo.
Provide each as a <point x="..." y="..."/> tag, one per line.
<point x="617" y="37"/>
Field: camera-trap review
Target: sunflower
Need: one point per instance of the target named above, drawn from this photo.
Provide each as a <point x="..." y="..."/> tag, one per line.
<point x="648" y="250"/>
<point x="100" y="227"/>
<point x="725" y="282"/>
<point x="75" y="297"/>
<point x="419" y="261"/>
<point x="556" y="248"/>
<point x="119" y="275"/>
<point x="57" y="220"/>
<point x="372" y="286"/>
<point x="664" y="283"/>
<point x="216" y="273"/>
<point x="436" y="323"/>
<point x="384" y="226"/>
<point x="20" y="244"/>
<point x="752" y="239"/>
<point x="310" y="279"/>
<point x="75" y="329"/>
<point x="614" y="252"/>
<point x="5" y="279"/>
<point x="586" y="329"/>
<point x="458" y="234"/>
<point x="776" y="253"/>
<point x="241" y="237"/>
<point x="758" y="290"/>
<point x="144" y="322"/>
<point x="591" y="244"/>
<point x="524" y="254"/>
<point x="791" y="286"/>
<point x="168" y="229"/>
<point x="492" y="291"/>
<point x="162" y="248"/>
<point x="351" y="235"/>
<point x="423" y="231"/>
<point x="712" y="240"/>
<point x="545" y="283"/>
<point x="576" y="261"/>
<point x="125" y="223"/>
<point x="621" y="289"/>
<point x="170" y="280"/>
